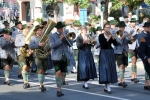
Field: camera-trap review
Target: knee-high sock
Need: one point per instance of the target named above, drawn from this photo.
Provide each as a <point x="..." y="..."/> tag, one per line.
<point x="134" y="68"/>
<point x="58" y="81"/>
<point x="146" y="76"/>
<point x="28" y="74"/>
<point x="41" y="78"/>
<point x="121" y="72"/>
<point x="6" y="73"/>
<point x="24" y="75"/>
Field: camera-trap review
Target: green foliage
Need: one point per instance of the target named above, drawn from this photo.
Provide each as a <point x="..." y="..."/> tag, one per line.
<point x="147" y="2"/>
<point x="49" y="1"/>
<point x="116" y="5"/>
<point x="84" y="4"/>
<point x="116" y="14"/>
<point x="39" y="20"/>
<point x="132" y="4"/>
<point x="95" y="18"/>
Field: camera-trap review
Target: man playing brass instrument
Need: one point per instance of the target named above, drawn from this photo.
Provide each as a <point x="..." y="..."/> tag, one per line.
<point x="25" y="58"/>
<point x="121" y="51"/>
<point x="8" y="55"/>
<point x="60" y="55"/>
<point x="41" y="64"/>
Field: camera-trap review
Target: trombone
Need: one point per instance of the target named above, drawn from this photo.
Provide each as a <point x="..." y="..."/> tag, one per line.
<point x="70" y="36"/>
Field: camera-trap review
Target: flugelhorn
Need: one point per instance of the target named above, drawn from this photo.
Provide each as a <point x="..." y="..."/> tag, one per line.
<point x="91" y="40"/>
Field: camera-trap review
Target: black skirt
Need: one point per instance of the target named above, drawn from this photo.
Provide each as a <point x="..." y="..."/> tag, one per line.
<point x="86" y="66"/>
<point x="107" y="67"/>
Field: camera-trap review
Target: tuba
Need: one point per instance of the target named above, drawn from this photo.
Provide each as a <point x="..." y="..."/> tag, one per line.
<point x="43" y="52"/>
<point x="24" y="51"/>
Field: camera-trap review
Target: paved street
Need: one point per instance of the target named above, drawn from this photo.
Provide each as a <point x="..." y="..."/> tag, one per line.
<point x="74" y="90"/>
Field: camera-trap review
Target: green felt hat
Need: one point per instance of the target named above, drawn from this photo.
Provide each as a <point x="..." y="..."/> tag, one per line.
<point x="133" y="20"/>
<point x="24" y="26"/>
<point x="87" y="24"/>
<point x="5" y="31"/>
<point x="121" y="24"/>
<point x="99" y="28"/>
<point x="76" y="23"/>
<point x="113" y="22"/>
<point x="60" y="25"/>
<point x="38" y="27"/>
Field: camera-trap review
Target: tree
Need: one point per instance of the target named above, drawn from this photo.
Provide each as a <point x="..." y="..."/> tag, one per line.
<point x="50" y="1"/>
<point x="95" y="19"/>
<point x="147" y="2"/>
<point x="132" y="4"/>
<point x="83" y="4"/>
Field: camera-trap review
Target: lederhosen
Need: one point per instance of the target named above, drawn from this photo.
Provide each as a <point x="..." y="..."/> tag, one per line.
<point x="61" y="64"/>
<point x="25" y="60"/>
<point x="9" y="60"/>
<point x="41" y="63"/>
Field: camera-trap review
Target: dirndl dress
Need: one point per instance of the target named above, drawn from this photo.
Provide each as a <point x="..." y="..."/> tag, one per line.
<point x="107" y="67"/>
<point x="86" y="66"/>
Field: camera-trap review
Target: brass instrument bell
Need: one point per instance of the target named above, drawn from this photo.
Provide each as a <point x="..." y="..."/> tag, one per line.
<point x="71" y="36"/>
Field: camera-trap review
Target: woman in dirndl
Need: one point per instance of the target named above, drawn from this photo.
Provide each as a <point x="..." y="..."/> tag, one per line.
<point x="107" y="66"/>
<point x="86" y="66"/>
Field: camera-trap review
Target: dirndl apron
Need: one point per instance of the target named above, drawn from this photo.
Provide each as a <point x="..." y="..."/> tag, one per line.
<point x="86" y="66"/>
<point x="107" y="67"/>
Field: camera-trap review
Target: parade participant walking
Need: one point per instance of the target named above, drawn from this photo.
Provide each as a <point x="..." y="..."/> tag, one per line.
<point x="107" y="67"/>
<point x="144" y="51"/>
<point x="60" y="55"/>
<point x="41" y="63"/>
<point x="144" y="33"/>
<point x="97" y="46"/>
<point x="14" y="34"/>
<point x="75" y="28"/>
<point x="8" y="56"/>
<point x="25" y="58"/>
<point x="121" y="52"/>
<point x="133" y="49"/>
<point x="86" y="66"/>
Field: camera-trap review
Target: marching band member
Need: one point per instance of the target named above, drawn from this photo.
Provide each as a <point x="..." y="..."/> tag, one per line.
<point x="8" y="56"/>
<point x="60" y="55"/>
<point x="144" y="51"/>
<point x="14" y="34"/>
<point x="132" y="30"/>
<point x="113" y="29"/>
<point x="97" y="46"/>
<point x="24" y="60"/>
<point x="143" y="34"/>
<point x="121" y="52"/>
<point x="107" y="67"/>
<point x="75" y="29"/>
<point x="86" y="65"/>
<point x="41" y="64"/>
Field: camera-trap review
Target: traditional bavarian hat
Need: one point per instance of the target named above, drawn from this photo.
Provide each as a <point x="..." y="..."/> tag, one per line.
<point x="38" y="27"/>
<point x="5" y="31"/>
<point x="60" y="25"/>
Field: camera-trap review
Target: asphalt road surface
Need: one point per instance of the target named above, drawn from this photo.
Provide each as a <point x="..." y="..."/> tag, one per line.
<point x="74" y="90"/>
